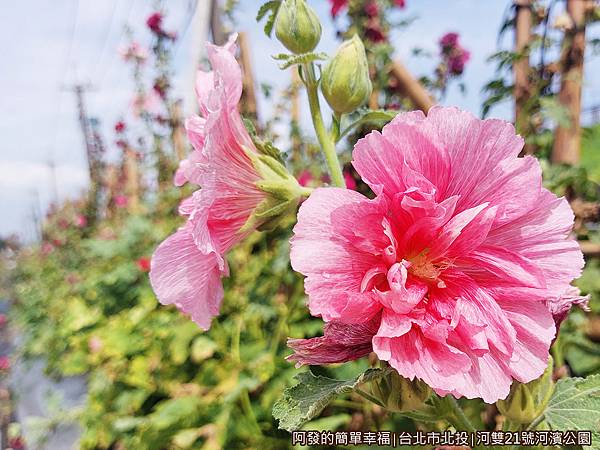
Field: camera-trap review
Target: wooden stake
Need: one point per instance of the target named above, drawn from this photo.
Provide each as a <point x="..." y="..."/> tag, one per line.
<point x="411" y="87"/>
<point x="132" y="180"/>
<point x="177" y="130"/>
<point x="567" y="140"/>
<point x="249" y="105"/>
<point x="521" y="68"/>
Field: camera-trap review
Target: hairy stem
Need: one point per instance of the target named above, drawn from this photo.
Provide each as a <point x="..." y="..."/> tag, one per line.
<point x="325" y="139"/>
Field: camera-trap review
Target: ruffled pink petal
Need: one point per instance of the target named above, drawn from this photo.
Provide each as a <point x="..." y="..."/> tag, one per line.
<point x="535" y="331"/>
<point x="183" y="276"/>
<point x="334" y="265"/>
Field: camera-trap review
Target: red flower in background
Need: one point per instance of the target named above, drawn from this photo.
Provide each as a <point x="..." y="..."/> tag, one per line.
<point x="349" y="179"/>
<point x="16" y="443"/>
<point x="143" y="264"/>
<point x="3" y="320"/>
<point x="371" y="8"/>
<point x="154" y="22"/>
<point x="120" y="126"/>
<point x="454" y="55"/>
<point x="336" y="6"/>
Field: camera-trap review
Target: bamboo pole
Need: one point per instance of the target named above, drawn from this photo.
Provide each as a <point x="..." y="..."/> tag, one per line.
<point x="132" y="180"/>
<point x="249" y="105"/>
<point x="411" y="87"/>
<point x="567" y="139"/>
<point x="177" y="130"/>
<point x="521" y="67"/>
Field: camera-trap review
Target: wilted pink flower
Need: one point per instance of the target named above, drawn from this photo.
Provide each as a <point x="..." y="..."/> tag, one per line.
<point x="4" y="363"/>
<point x="459" y="253"/>
<point x="341" y="342"/>
<point x="560" y="307"/>
<point x="188" y="266"/>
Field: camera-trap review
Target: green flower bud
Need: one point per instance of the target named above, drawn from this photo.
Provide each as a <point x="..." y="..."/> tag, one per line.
<point x="399" y="394"/>
<point x="345" y="81"/>
<point x="526" y="402"/>
<point x="297" y="26"/>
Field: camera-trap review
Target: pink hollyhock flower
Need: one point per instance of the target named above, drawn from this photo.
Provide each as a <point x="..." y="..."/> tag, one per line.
<point x="95" y="344"/>
<point x="449" y="40"/>
<point x="80" y="221"/>
<point x="457" y="258"/>
<point x="4" y="363"/>
<point x="121" y="201"/>
<point x="186" y="268"/>
<point x="148" y="103"/>
<point x="133" y="51"/>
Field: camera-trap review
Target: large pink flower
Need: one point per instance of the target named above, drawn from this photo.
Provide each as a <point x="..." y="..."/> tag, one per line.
<point x="461" y="254"/>
<point x="187" y="267"/>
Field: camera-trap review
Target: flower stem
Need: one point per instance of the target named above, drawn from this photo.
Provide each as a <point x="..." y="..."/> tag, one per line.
<point x="449" y="409"/>
<point x="325" y="139"/>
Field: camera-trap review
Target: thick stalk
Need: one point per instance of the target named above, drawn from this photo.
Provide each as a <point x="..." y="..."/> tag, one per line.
<point x="325" y="139"/>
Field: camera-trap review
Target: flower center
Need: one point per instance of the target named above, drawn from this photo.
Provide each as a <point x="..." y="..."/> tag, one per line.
<point x="422" y="268"/>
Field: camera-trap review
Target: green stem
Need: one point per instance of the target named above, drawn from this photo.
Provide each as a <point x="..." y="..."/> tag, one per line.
<point x="305" y="191"/>
<point x="247" y="407"/>
<point x="325" y="139"/>
<point x="368" y="397"/>
<point x="450" y="410"/>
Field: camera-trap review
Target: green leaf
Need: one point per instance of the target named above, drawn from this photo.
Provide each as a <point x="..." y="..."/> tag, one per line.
<point x="575" y="405"/>
<point x="271" y="8"/>
<point x="304" y="58"/>
<point x="376" y="117"/>
<point x="306" y="400"/>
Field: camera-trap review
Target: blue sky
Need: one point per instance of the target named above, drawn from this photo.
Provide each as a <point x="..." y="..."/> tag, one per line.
<point x="47" y="46"/>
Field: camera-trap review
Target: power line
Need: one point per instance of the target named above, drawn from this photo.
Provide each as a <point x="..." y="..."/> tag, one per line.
<point x="105" y="46"/>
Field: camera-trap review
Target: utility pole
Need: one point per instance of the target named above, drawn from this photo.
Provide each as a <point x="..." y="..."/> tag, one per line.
<point x="53" y="184"/>
<point x="94" y="149"/>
